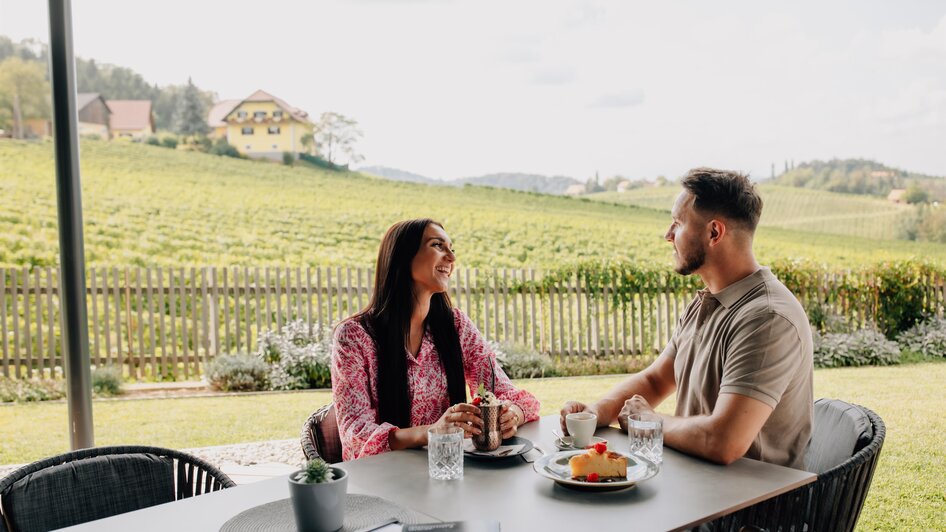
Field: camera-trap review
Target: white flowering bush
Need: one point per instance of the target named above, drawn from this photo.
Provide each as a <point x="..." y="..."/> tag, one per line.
<point x="298" y="356"/>
<point x="238" y="373"/>
<point x="521" y="362"/>
<point x="927" y="338"/>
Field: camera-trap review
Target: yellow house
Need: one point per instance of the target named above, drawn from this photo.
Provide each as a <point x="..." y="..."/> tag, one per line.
<point x="261" y="125"/>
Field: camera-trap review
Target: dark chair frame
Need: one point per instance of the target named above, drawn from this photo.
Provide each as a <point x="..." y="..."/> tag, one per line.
<point x="833" y="502"/>
<point x="192" y="476"/>
<point x="313" y="440"/>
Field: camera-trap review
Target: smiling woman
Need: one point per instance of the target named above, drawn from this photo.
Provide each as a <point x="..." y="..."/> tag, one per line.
<point x="402" y="365"/>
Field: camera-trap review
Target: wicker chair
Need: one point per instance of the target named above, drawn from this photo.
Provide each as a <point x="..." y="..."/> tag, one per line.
<point x="845" y="445"/>
<point x="99" y="482"/>
<point x="320" y="438"/>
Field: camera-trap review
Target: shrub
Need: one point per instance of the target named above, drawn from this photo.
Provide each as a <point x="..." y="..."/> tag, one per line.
<point x="927" y="337"/>
<point x="169" y="142"/>
<point x="238" y="373"/>
<point x="860" y="348"/>
<point x="611" y="365"/>
<point x="298" y="356"/>
<point x="106" y="380"/>
<point x="27" y="390"/>
<point x="520" y="362"/>
<point x="224" y="148"/>
<point x="153" y="141"/>
<point x="288" y="158"/>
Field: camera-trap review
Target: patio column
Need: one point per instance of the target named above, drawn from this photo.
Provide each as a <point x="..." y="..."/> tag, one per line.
<point x="75" y="333"/>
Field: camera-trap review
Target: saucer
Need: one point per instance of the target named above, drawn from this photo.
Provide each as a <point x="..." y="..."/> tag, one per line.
<point x="565" y="443"/>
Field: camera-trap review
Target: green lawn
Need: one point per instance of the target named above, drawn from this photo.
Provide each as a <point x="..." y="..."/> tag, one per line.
<point x="908" y="491"/>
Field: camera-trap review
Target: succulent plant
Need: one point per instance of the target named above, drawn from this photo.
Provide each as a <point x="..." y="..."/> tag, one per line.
<point x="317" y="472"/>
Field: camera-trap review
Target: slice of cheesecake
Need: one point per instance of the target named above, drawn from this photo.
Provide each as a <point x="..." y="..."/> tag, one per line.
<point x="600" y="466"/>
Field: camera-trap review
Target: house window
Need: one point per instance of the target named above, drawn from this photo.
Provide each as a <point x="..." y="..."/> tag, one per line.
<point x="273" y="130"/>
<point x="259" y="115"/>
<point x="247" y="131"/>
<point x="277" y="114"/>
<point x="241" y="114"/>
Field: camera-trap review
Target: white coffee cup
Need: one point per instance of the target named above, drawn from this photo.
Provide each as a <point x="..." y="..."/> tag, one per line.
<point x="581" y="426"/>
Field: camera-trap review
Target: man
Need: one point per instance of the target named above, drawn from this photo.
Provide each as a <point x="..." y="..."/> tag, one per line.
<point x="740" y="358"/>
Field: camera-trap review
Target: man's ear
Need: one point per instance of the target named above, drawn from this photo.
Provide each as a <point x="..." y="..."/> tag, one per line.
<point x="717" y="230"/>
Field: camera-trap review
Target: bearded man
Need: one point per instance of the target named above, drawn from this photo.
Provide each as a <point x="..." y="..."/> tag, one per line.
<point x="740" y="359"/>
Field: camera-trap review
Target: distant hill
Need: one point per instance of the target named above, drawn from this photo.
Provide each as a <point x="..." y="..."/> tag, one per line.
<point x="399" y="175"/>
<point x="525" y="182"/>
<point x="513" y="181"/>
<point x="860" y="176"/>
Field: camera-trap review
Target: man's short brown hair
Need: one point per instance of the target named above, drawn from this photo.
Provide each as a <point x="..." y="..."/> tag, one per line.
<point x="725" y="193"/>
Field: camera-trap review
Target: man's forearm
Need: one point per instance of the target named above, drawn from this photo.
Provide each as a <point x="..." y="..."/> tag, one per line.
<point x="610" y="405"/>
<point x="699" y="436"/>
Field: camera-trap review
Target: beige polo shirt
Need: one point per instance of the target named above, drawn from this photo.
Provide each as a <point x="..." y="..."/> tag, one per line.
<point x="751" y="338"/>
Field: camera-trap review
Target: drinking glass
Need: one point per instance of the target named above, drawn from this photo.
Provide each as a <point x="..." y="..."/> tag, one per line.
<point x="445" y="453"/>
<point x="646" y="435"/>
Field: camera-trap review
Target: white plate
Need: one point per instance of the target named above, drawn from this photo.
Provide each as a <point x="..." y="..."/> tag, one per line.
<point x="566" y="443"/>
<point x="555" y="466"/>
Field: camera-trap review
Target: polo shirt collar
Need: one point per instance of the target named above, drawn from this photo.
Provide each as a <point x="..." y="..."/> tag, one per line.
<point x="731" y="294"/>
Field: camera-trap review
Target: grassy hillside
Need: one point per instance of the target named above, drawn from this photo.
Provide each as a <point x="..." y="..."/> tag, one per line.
<point x="147" y="205"/>
<point x="796" y="208"/>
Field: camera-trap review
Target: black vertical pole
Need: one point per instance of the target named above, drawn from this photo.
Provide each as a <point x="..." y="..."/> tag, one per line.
<point x="75" y="333"/>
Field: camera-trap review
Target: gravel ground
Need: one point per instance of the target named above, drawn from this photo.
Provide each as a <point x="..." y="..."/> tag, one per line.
<point x="280" y="451"/>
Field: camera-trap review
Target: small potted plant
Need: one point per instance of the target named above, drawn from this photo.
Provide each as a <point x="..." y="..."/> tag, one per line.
<point x="318" y="496"/>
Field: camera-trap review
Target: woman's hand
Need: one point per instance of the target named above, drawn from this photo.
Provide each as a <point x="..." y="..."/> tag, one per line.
<point x="510" y="417"/>
<point x="463" y="415"/>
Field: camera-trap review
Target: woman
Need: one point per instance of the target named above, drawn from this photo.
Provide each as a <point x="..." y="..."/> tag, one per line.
<point x="404" y="363"/>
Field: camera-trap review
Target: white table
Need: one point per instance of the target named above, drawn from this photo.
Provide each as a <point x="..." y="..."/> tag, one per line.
<point x="687" y="491"/>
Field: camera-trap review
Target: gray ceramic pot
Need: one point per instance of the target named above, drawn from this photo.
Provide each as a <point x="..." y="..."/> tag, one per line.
<point x="319" y="507"/>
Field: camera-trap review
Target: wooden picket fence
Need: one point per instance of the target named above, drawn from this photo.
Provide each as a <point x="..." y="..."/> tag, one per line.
<point x="167" y="323"/>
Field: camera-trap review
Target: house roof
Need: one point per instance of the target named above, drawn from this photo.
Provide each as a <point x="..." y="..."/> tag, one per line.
<point x="263" y="96"/>
<point x="130" y="114"/>
<point x="219" y="111"/>
<point x="897" y="194"/>
<point x="85" y="98"/>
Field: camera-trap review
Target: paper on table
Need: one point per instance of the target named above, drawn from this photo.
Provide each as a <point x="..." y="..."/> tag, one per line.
<point x="502" y="450"/>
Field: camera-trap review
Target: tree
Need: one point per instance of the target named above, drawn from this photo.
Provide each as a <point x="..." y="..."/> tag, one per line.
<point x="190" y="116"/>
<point x="337" y="134"/>
<point x="308" y="143"/>
<point x="915" y="194"/>
<point x="24" y="93"/>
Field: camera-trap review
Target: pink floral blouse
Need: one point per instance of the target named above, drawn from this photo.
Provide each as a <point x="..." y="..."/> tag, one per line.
<point x="354" y="384"/>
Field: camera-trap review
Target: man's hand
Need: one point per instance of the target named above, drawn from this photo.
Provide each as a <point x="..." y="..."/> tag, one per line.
<point x="634" y="405"/>
<point x="573" y="407"/>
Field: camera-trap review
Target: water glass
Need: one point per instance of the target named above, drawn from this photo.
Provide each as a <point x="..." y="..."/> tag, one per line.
<point x="445" y="453"/>
<point x="646" y="435"/>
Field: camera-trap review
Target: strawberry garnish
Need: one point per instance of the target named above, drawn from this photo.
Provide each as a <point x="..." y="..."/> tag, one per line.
<point x="477" y="400"/>
<point x="592" y="477"/>
<point x="601" y="447"/>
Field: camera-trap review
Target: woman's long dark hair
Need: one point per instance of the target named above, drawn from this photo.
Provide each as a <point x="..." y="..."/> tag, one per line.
<point x="387" y="318"/>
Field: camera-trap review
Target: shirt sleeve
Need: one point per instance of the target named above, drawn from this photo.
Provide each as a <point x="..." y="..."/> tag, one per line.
<point x="764" y="355"/>
<point x="358" y="426"/>
<point x="477" y="357"/>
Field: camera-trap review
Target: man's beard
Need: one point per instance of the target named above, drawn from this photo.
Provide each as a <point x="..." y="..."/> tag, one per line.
<point x="691" y="262"/>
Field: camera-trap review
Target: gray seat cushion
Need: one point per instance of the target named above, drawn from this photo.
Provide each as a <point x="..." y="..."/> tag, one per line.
<point x="88" y="489"/>
<point x="840" y="430"/>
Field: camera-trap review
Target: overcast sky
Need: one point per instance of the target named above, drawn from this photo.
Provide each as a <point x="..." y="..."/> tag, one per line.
<point x="453" y="89"/>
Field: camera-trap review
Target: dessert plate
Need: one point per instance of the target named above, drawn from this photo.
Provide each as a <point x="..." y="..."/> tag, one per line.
<point x="555" y="466"/>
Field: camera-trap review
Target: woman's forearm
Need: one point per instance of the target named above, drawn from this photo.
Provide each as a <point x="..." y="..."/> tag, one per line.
<point x="408" y="438"/>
